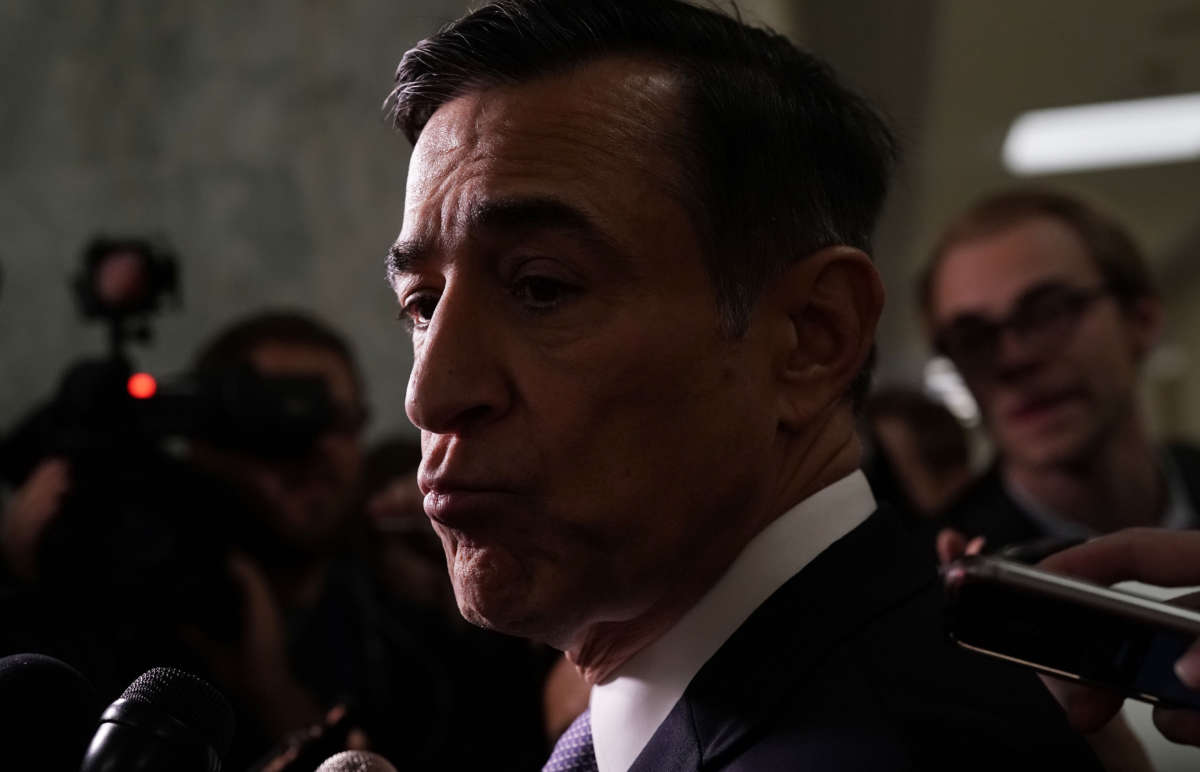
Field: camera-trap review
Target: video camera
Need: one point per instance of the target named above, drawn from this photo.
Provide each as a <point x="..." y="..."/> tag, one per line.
<point x="142" y="523"/>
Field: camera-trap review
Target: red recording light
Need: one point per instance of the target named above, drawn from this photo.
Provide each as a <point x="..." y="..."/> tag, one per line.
<point x="142" y="386"/>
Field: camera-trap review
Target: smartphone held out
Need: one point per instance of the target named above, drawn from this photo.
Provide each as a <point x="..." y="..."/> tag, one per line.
<point x="1071" y="628"/>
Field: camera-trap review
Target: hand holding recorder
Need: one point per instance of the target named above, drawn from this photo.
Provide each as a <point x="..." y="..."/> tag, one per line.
<point x="1154" y="556"/>
<point x="1104" y="644"/>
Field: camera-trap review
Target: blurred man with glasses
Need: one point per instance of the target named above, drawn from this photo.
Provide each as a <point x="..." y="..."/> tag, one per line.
<point x="1047" y="308"/>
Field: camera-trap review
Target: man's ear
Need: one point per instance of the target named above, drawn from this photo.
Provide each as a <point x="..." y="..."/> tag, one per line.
<point x="827" y="306"/>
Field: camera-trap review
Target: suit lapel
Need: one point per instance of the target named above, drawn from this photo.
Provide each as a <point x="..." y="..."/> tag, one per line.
<point x="863" y="574"/>
<point x="674" y="746"/>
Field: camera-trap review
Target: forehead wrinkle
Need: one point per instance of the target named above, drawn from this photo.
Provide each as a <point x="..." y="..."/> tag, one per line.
<point x="644" y="110"/>
<point x="483" y="136"/>
<point x="518" y="152"/>
<point x="445" y="150"/>
<point x="546" y="213"/>
<point x="437" y="196"/>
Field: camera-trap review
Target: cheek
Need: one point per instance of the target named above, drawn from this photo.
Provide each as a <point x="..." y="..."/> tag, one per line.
<point x="984" y="394"/>
<point x="632" y="445"/>
<point x="449" y="544"/>
<point x="1105" y="359"/>
<point x="642" y="407"/>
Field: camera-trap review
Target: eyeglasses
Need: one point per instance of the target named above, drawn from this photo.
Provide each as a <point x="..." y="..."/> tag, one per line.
<point x="348" y="420"/>
<point x="1042" y="319"/>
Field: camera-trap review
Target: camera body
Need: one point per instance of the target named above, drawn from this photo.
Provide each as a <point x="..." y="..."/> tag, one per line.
<point x="142" y="525"/>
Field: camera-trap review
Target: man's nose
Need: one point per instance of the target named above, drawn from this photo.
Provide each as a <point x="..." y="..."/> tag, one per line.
<point x="457" y="380"/>
<point x="1016" y="353"/>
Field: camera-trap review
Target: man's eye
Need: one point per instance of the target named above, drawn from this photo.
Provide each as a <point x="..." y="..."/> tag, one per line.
<point x="1046" y="308"/>
<point x="542" y="293"/>
<point x="418" y="310"/>
<point x="968" y="337"/>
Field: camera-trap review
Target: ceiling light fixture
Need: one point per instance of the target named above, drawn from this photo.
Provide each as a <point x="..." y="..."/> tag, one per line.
<point x="1136" y="132"/>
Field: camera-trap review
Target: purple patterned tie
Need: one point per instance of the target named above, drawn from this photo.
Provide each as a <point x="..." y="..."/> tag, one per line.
<point x="574" y="752"/>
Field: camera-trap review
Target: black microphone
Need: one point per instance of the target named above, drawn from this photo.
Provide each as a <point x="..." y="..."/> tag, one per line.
<point x="356" y="761"/>
<point x="49" y="710"/>
<point x="168" y="720"/>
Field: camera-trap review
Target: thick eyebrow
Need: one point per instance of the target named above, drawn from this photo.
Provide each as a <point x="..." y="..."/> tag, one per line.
<point x="1052" y="284"/>
<point x="405" y="256"/>
<point x="536" y="213"/>
<point x="1048" y="285"/>
<point x="511" y="215"/>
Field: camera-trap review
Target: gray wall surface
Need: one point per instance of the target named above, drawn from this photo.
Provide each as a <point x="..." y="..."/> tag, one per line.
<point x="249" y="135"/>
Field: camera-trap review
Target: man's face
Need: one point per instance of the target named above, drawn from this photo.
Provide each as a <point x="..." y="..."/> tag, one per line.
<point x="310" y="498"/>
<point x="589" y="435"/>
<point x="1047" y="400"/>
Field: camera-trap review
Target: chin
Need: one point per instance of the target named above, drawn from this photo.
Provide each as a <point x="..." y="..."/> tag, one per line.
<point x="492" y="587"/>
<point x="518" y="613"/>
<point x="502" y="614"/>
<point x="1057" y="451"/>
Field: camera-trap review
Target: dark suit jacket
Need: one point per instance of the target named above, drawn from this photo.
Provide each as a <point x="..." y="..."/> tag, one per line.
<point x="985" y="508"/>
<point x="846" y="667"/>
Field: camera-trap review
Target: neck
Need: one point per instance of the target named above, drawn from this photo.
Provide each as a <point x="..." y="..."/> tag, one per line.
<point x="804" y="465"/>
<point x="1117" y="485"/>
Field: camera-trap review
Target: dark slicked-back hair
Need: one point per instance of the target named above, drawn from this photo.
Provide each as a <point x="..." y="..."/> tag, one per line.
<point x="1110" y="246"/>
<point x="780" y="159"/>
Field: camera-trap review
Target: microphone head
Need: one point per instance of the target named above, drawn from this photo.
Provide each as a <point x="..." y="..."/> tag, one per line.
<point x="188" y="699"/>
<point x="50" y="711"/>
<point x="356" y="761"/>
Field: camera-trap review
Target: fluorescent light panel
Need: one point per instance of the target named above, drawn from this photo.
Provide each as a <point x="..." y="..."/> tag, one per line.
<point x="1132" y="133"/>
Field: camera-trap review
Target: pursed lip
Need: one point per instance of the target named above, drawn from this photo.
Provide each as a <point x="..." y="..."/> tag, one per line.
<point x="458" y="505"/>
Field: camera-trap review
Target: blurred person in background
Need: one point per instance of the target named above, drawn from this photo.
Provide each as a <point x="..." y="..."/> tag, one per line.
<point x="123" y="281"/>
<point x="918" y="454"/>
<point x="1047" y="308"/>
<point x="292" y="622"/>
<point x="319" y="627"/>
<point x="26" y="514"/>
<point x="307" y="638"/>
<point x="405" y="552"/>
<point x="100" y="558"/>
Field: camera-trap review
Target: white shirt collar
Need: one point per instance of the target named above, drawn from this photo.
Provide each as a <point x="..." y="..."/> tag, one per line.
<point x="627" y="709"/>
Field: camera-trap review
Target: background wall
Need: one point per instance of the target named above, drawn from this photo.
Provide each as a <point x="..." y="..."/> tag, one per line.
<point x="249" y="134"/>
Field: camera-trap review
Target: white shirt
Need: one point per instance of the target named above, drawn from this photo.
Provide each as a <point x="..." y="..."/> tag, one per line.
<point x="628" y="708"/>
